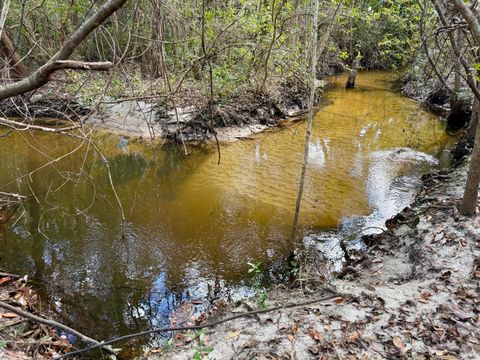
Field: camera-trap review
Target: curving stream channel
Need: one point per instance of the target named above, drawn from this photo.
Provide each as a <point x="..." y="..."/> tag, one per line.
<point x="193" y="225"/>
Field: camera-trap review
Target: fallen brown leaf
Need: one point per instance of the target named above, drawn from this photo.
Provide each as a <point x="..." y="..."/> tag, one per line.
<point x="232" y="335"/>
<point x="293" y="330"/>
<point x="4" y="280"/>
<point x="8" y="315"/>
<point x="426" y="295"/>
<point x="353" y="336"/>
<point x="398" y="343"/>
<point x="314" y="334"/>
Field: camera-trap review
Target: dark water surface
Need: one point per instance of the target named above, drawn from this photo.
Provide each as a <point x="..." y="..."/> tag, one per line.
<point x="193" y="225"/>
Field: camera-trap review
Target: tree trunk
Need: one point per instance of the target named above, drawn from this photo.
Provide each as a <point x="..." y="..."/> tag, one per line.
<point x="473" y="125"/>
<point x="459" y="109"/>
<point x="157" y="37"/>
<point x="313" y="76"/>
<point x="19" y="70"/>
<point x="469" y="202"/>
<point x="469" y="17"/>
<point x="275" y="14"/>
<point x="353" y="74"/>
<point x="4" y="14"/>
<point x="455" y="104"/>
<point x="470" y="196"/>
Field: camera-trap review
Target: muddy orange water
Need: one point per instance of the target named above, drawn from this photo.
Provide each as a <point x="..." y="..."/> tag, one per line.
<point x="192" y="225"/>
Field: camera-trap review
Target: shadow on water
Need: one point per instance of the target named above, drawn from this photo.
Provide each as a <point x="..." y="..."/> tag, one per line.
<point x="193" y="225"/>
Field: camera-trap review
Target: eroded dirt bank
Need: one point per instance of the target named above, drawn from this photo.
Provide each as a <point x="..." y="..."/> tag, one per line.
<point x="232" y="118"/>
<point x="414" y="295"/>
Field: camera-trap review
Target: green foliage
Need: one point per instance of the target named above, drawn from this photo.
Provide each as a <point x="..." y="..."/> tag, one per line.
<point x="262" y="294"/>
<point x="294" y="268"/>
<point x="243" y="38"/>
<point x="476" y="66"/>
<point x="254" y="269"/>
<point x="386" y="32"/>
<point x="201" y="348"/>
<point x="168" y="345"/>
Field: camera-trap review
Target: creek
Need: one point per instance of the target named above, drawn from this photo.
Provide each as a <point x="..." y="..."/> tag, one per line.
<point x="192" y="225"/>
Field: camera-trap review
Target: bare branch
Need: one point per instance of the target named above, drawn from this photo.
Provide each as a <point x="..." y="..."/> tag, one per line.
<point x="41" y="75"/>
<point x="469" y="17"/>
<point x="25" y="126"/>
<point x="55" y="324"/>
<point x="81" y="65"/>
<point x="470" y="79"/>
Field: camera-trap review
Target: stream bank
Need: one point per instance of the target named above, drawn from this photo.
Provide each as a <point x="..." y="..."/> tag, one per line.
<point x="413" y="294"/>
<point x="233" y="117"/>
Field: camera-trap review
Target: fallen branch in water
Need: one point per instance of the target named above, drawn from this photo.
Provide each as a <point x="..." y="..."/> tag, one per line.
<point x="55" y="324"/>
<point x="199" y="327"/>
<point x="13" y="195"/>
<point x="7" y="134"/>
<point x="24" y="126"/>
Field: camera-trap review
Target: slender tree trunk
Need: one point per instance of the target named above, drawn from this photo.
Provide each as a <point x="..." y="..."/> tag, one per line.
<point x="469" y="17"/>
<point x="8" y="50"/>
<point x="275" y="14"/>
<point x="455" y="104"/>
<point x="157" y="37"/>
<point x="3" y="15"/>
<point x="19" y="70"/>
<point x="210" y="81"/>
<point x="459" y="114"/>
<point x="473" y="125"/>
<point x="470" y="196"/>
<point x="313" y="76"/>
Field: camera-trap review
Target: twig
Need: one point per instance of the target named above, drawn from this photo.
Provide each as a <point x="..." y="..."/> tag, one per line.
<point x="13" y="276"/>
<point x="13" y="323"/>
<point x="81" y="65"/>
<point x="22" y="126"/>
<point x="55" y="324"/>
<point x="199" y="327"/>
<point x="13" y="195"/>
<point x="7" y="134"/>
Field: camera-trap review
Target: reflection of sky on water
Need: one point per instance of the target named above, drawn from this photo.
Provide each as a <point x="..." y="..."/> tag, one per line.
<point x="389" y="191"/>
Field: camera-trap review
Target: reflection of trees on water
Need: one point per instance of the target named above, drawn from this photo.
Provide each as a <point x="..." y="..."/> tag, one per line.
<point x="172" y="162"/>
<point x="126" y="167"/>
